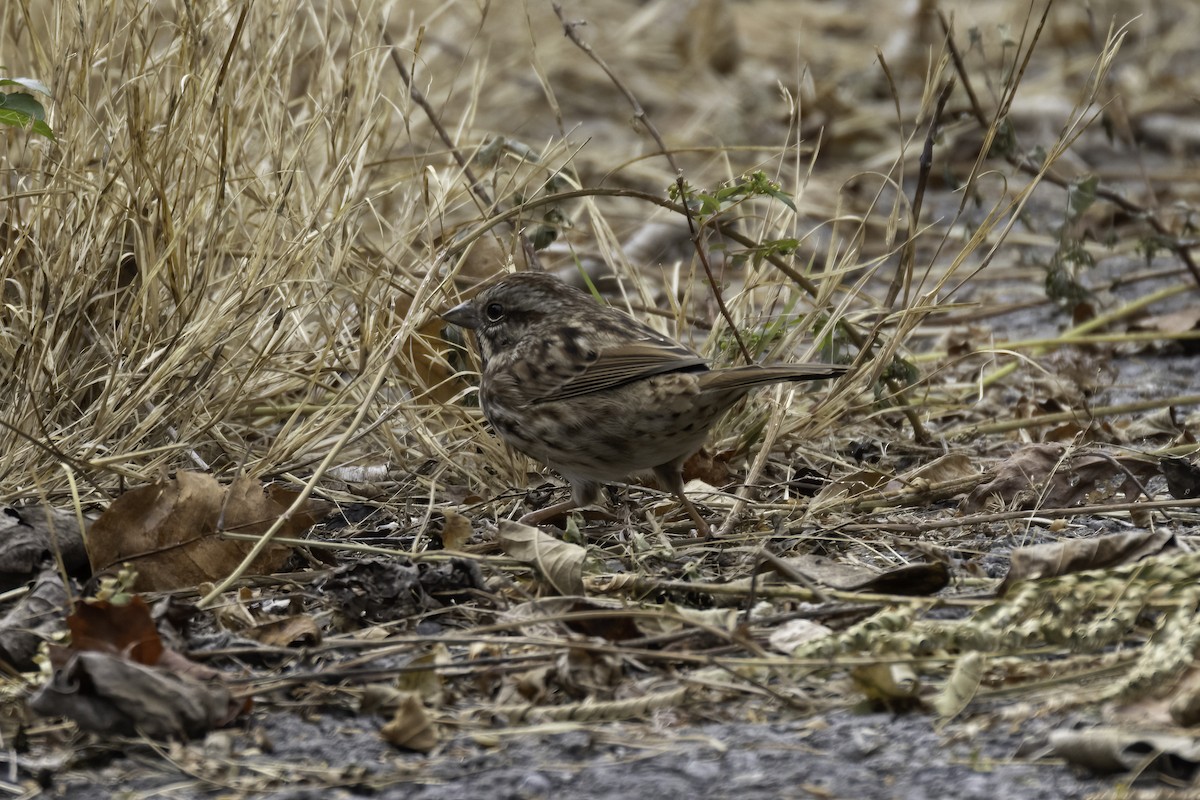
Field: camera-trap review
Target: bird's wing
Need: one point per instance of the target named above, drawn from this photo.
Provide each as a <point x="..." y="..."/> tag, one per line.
<point x="619" y="364"/>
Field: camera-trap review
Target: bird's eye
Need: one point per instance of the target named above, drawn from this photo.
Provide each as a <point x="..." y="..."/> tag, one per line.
<point x="494" y="312"/>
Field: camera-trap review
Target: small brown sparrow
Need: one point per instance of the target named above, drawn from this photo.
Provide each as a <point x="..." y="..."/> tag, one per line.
<point x="595" y="394"/>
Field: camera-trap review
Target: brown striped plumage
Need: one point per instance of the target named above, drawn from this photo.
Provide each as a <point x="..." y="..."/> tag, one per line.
<point x="595" y="394"/>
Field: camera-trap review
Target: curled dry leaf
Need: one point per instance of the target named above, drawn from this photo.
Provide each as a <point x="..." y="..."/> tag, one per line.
<point x="961" y="686"/>
<point x="1107" y="749"/>
<point x="31" y="536"/>
<point x="548" y="616"/>
<point x="298" y="630"/>
<point x="560" y="563"/>
<point x="912" y="580"/>
<point x="104" y="693"/>
<point x="170" y="530"/>
<point x="672" y="617"/>
<point x="456" y="531"/>
<point x="422" y="675"/>
<point x="36" y="617"/>
<point x="117" y="677"/>
<point x="411" y="727"/>
<point x="891" y="682"/>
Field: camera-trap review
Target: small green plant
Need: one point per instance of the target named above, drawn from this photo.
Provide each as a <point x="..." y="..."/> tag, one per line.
<point x="756" y="184"/>
<point x="21" y="109"/>
<point x="1063" y="285"/>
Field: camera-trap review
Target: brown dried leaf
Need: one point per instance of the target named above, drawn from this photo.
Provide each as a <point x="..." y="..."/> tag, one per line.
<point x="1016" y="477"/>
<point x="949" y="468"/>
<point x="109" y="694"/>
<point x="855" y="484"/>
<point x="911" y="579"/>
<point x="169" y="530"/>
<point x="126" y="630"/>
<point x="707" y="467"/>
<point x="1046" y="476"/>
<point x="298" y="630"/>
<point x="411" y="727"/>
<point x="560" y="563"/>
<point x="1078" y="555"/>
<point x="456" y="531"/>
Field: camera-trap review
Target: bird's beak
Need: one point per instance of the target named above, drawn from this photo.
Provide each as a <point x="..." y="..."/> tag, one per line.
<point x="464" y="315"/>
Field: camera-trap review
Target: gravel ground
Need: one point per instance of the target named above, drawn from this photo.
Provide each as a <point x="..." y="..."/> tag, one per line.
<point x="841" y="754"/>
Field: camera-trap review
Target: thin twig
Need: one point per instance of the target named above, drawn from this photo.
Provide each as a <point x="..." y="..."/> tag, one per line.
<point x="477" y="188"/>
<point x="1178" y="246"/>
<point x="639" y="113"/>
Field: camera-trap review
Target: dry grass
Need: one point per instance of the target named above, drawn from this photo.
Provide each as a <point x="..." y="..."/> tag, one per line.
<point x="247" y="218"/>
<point x="233" y="258"/>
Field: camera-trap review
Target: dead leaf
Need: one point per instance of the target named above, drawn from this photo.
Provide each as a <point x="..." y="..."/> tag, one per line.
<point x="35" y="618"/>
<point x="169" y="530"/>
<point x="1172" y="322"/>
<point x="31" y="536"/>
<point x="1183" y="477"/>
<point x="961" y="686"/>
<point x="855" y="484"/>
<point x="787" y="637"/>
<point x="108" y="694"/>
<point x="1017" y="477"/>
<point x="607" y="619"/>
<point x="948" y="468"/>
<point x="1107" y="750"/>
<point x="411" y="727"/>
<point x="1048" y="476"/>
<point x="581" y="672"/>
<point x="911" y="580"/>
<point x="560" y="563"/>
<point x="374" y="590"/>
<point x="456" y="531"/>
<point x="1079" y="555"/>
<point x="422" y="675"/>
<point x="298" y="630"/>
<point x="887" y="681"/>
<point x="708" y="468"/>
<point x="124" y="629"/>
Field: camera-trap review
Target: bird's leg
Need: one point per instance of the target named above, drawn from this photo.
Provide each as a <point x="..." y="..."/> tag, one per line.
<point x="671" y="476"/>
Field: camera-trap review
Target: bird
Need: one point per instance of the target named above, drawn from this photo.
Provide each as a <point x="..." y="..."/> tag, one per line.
<point x="594" y="393"/>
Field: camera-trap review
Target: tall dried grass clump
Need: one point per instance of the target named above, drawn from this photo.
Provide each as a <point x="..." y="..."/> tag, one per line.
<point x="203" y="271"/>
<point x="230" y="251"/>
<point x="232" y="256"/>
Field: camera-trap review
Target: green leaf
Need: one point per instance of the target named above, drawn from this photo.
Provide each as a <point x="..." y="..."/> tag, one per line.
<point x="23" y="104"/>
<point x="1081" y="195"/>
<point x="20" y="110"/>
<point x="32" y="84"/>
<point x="782" y="197"/>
